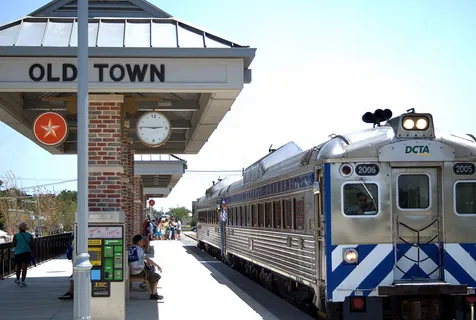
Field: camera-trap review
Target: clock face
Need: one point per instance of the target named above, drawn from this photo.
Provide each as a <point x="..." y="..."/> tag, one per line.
<point x="153" y="129"/>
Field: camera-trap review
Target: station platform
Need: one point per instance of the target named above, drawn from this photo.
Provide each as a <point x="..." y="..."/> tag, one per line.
<point x="194" y="286"/>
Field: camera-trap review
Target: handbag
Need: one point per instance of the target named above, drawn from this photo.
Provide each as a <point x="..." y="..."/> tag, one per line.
<point x="32" y="258"/>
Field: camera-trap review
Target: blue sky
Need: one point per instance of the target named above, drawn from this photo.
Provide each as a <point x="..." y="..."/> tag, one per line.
<point x="319" y="66"/>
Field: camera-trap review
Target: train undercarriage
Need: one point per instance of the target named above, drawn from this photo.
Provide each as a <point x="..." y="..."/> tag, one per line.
<point x="413" y="307"/>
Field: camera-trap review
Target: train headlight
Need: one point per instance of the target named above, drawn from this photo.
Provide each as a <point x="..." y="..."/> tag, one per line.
<point x="350" y="255"/>
<point x="415" y="123"/>
<point x="408" y="124"/>
<point x="422" y="124"/>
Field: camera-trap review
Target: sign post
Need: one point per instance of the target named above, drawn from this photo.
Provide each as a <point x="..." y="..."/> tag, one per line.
<point x="82" y="266"/>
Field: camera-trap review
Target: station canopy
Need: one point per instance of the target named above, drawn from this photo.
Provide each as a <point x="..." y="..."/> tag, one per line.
<point x="157" y="62"/>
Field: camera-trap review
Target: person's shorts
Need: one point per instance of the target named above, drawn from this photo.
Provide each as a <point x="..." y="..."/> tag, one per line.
<point x="152" y="276"/>
<point x="178" y="231"/>
<point x="23" y="258"/>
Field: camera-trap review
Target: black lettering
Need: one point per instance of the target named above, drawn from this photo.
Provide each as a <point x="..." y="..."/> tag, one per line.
<point x="101" y="67"/>
<point x="73" y="68"/>
<point x="49" y="74"/>
<point x="156" y="72"/>
<point x="32" y="72"/>
<point x="137" y="72"/>
<point x="122" y="72"/>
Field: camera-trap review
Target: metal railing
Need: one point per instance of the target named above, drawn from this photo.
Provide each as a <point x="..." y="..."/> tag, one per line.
<point x="44" y="248"/>
<point x="157" y="157"/>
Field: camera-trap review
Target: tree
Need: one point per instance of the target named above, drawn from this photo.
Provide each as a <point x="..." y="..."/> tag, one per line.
<point x="11" y="206"/>
<point x="181" y="212"/>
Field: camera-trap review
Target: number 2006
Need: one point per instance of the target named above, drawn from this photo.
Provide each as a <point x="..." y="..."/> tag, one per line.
<point x="367" y="169"/>
<point x="464" y="168"/>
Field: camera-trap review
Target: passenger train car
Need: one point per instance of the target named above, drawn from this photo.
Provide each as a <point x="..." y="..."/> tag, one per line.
<point x="377" y="224"/>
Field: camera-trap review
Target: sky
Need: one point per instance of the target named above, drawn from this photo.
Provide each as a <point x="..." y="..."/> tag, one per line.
<point x="319" y="66"/>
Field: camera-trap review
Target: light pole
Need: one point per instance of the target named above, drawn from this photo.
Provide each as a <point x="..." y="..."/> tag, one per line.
<point x="82" y="266"/>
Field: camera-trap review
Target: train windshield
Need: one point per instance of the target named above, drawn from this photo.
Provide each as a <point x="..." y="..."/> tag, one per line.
<point x="360" y="198"/>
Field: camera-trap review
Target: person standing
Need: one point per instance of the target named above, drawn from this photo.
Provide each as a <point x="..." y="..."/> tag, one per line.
<point x="179" y="228"/>
<point x="22" y="249"/>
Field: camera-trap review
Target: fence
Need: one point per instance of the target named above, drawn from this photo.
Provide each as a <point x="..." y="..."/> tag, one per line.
<point x="44" y="248"/>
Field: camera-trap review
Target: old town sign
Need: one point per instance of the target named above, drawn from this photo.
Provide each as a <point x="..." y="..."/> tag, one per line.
<point x="115" y="72"/>
<point x="121" y="74"/>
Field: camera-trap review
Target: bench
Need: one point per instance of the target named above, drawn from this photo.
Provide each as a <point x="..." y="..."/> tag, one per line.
<point x="135" y="278"/>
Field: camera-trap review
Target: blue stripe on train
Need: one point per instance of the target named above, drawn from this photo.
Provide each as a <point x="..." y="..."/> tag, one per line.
<point x="377" y="275"/>
<point x="343" y="270"/>
<point x="460" y="263"/>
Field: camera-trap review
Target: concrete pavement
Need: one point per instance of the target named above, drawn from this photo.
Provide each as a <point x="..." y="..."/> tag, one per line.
<point x="195" y="286"/>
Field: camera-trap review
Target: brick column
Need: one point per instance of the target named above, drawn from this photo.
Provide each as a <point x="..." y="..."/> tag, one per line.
<point x="138" y="203"/>
<point x="127" y="183"/>
<point x="105" y="169"/>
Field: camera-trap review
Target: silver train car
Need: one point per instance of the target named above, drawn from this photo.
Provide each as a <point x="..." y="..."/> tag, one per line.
<point x="377" y="224"/>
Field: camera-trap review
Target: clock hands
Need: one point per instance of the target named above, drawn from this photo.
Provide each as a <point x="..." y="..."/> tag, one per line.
<point x="150" y="127"/>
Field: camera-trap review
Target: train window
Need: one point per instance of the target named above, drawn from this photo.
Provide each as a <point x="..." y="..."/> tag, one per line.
<point x="298" y="213"/>
<point x="277" y="214"/>
<point x="246" y="213"/>
<point x="261" y="215"/>
<point x="239" y="217"/>
<point x="413" y="191"/>
<point x="288" y="214"/>
<point x="465" y="197"/>
<point x="254" y="215"/>
<point x="268" y="215"/>
<point x="360" y="199"/>
<point x="229" y="215"/>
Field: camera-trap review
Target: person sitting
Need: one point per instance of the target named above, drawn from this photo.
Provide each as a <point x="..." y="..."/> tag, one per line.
<point x="137" y="266"/>
<point x="360" y="207"/>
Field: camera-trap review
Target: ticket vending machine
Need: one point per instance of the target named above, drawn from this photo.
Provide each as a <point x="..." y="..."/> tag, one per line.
<point x="108" y="257"/>
<point x="106" y="252"/>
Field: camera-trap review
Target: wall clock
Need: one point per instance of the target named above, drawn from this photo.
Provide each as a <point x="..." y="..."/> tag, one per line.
<point x="153" y="129"/>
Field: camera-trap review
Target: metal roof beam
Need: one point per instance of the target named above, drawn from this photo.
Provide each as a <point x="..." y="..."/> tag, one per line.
<point x="59" y="104"/>
<point x="247" y="54"/>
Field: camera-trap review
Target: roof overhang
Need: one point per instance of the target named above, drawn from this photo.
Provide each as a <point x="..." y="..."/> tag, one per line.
<point x="196" y="77"/>
<point x="159" y="177"/>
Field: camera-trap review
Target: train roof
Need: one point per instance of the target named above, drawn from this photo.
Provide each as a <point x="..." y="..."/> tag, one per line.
<point x="362" y="144"/>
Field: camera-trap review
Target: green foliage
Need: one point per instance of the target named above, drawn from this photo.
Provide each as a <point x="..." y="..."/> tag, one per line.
<point x="193" y="222"/>
<point x="181" y="212"/>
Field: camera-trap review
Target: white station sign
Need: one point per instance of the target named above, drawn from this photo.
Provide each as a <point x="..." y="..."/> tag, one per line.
<point x="121" y="75"/>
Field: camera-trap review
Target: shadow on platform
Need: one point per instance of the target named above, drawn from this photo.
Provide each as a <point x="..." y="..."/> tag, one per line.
<point x="258" y="298"/>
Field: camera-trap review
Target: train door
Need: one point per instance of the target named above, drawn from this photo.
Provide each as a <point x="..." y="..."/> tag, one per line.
<point x="416" y="215"/>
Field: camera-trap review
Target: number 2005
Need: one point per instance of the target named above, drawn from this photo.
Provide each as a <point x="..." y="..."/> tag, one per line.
<point x="464" y="168"/>
<point x="367" y="169"/>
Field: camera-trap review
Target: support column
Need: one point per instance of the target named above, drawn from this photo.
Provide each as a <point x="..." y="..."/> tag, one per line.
<point x="127" y="184"/>
<point x="105" y="199"/>
<point x="138" y="203"/>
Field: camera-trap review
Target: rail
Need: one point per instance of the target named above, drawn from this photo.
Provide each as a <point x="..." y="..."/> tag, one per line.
<point x="44" y="248"/>
<point x="418" y="246"/>
<point x="156" y="157"/>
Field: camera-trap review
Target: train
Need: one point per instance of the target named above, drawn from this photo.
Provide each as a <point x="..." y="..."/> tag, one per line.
<point x="375" y="224"/>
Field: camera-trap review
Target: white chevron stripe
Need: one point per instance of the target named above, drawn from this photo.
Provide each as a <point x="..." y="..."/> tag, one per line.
<point x="450" y="279"/>
<point x="462" y="257"/>
<point x="361" y="271"/>
<point x="427" y="266"/>
<point x="337" y="256"/>
<point x="388" y="280"/>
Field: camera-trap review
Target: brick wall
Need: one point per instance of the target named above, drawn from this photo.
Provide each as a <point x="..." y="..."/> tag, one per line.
<point x="138" y="203"/>
<point x="105" y="169"/>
